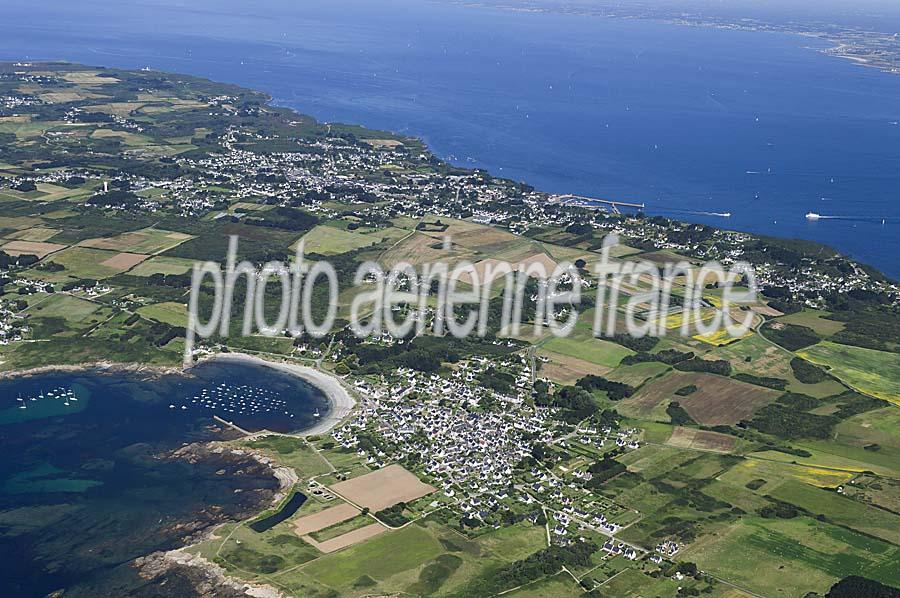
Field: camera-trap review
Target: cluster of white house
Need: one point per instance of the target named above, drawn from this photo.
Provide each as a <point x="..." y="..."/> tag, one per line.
<point x="471" y="452"/>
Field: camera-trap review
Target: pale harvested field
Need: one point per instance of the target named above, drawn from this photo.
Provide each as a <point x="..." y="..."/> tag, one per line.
<point x="722" y="400"/>
<point x="88" y="78"/>
<point x="118" y="108"/>
<point x="383" y="488"/>
<point x="662" y="258"/>
<point x="38" y="234"/>
<point x="18" y="222"/>
<point x="124" y="261"/>
<point x="765" y="310"/>
<point x="31" y="247"/>
<point x="383" y="142"/>
<point x="62" y="97"/>
<point x="485" y="239"/>
<point x="163" y="265"/>
<point x="348" y="539"/>
<point x="540" y="258"/>
<point x="422" y="249"/>
<point x="566" y="369"/>
<point x="481" y="268"/>
<point x="327" y="518"/>
<point x="148" y="240"/>
<point x="701" y="440"/>
<point x="717" y="400"/>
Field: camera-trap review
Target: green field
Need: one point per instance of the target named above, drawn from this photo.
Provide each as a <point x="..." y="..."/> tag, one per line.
<point x="263" y="553"/>
<point x="873" y="427"/>
<point x="838" y="459"/>
<point x="841" y="510"/>
<point x="776" y="473"/>
<point x="148" y="240"/>
<point x="791" y="557"/>
<point x="632" y="583"/>
<point x="515" y="541"/>
<point x="754" y="354"/>
<point x="815" y="319"/>
<point x="339" y="529"/>
<point x="876" y="373"/>
<point x="292" y="452"/>
<point x="382" y="557"/>
<point x="637" y="374"/>
<point x="38" y="234"/>
<point x="168" y="312"/>
<point x="60" y="305"/>
<point x="594" y="350"/>
<point x="556" y="586"/>
<point x="79" y="263"/>
<point x="331" y="240"/>
<point x="162" y="265"/>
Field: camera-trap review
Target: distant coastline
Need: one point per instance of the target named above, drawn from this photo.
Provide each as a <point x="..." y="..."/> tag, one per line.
<point x="863" y="46"/>
<point x="543" y="138"/>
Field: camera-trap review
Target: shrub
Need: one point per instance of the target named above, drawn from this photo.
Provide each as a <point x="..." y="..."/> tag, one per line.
<point x="806" y="372"/>
<point x="696" y="364"/>
<point x="678" y="415"/>
<point x="791" y="336"/>
<point x="686" y="390"/>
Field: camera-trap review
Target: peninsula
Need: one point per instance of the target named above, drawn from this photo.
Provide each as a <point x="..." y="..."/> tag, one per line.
<point x="548" y="466"/>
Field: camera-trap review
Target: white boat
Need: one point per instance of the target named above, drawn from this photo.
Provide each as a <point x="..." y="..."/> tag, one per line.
<point x="812" y="216"/>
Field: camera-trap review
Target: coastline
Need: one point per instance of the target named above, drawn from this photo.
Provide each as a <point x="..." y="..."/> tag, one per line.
<point x="340" y="401"/>
<point x="209" y="579"/>
<point x="99" y="366"/>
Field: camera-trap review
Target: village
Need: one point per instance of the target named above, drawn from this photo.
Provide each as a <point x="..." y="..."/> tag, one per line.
<point x="475" y="454"/>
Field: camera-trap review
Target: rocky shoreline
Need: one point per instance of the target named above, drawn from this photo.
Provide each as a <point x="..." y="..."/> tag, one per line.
<point x="179" y="570"/>
<point x="206" y="578"/>
<point x="99" y="366"/>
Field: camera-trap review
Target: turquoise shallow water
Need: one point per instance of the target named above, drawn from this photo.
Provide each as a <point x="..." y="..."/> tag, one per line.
<point x="691" y="121"/>
<point x="83" y="489"/>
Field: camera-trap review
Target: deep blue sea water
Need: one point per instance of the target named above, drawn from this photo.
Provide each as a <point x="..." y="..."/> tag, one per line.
<point x="690" y="121"/>
<point x="83" y="489"/>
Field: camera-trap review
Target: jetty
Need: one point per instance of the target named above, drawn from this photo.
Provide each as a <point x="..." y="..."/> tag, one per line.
<point x="587" y="202"/>
<point x="232" y="425"/>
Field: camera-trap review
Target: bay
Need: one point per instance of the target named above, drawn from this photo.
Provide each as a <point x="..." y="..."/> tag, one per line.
<point x="89" y="481"/>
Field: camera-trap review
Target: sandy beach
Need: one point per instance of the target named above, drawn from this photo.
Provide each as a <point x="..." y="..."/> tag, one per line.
<point x="340" y="400"/>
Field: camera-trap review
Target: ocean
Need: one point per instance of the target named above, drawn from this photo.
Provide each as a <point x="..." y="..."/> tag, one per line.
<point x="87" y="483"/>
<point x="693" y="122"/>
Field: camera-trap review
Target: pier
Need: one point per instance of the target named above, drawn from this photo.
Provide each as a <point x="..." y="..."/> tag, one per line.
<point x="232" y="425"/>
<point x="583" y="201"/>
